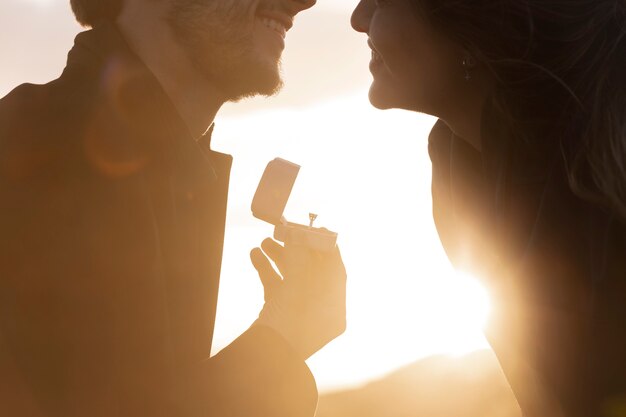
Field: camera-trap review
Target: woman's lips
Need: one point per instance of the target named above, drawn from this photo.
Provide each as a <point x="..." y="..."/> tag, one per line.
<point x="376" y="59"/>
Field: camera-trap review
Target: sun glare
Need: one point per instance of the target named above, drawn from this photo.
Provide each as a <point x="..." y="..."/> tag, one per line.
<point x="370" y="182"/>
<point x="469" y="308"/>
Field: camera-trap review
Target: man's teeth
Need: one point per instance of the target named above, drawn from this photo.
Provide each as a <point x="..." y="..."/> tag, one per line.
<point x="376" y="56"/>
<point x="275" y="25"/>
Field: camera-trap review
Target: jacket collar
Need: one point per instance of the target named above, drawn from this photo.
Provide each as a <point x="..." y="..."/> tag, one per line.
<point x="131" y="94"/>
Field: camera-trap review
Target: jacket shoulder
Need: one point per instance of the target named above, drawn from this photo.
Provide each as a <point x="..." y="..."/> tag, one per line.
<point x="18" y="107"/>
<point x="39" y="125"/>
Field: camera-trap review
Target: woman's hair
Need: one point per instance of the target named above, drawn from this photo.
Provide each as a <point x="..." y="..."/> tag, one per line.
<point x="560" y="68"/>
<point x="91" y="12"/>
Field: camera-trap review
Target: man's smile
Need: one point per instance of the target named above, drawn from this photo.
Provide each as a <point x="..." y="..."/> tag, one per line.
<point x="275" y="25"/>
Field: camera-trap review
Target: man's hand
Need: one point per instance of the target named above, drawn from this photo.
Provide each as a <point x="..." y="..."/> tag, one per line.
<point x="307" y="305"/>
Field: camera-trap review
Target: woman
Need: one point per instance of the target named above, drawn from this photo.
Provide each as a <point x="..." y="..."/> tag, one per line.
<point x="529" y="175"/>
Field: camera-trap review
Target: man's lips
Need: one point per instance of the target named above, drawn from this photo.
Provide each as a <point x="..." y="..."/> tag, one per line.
<point x="279" y="22"/>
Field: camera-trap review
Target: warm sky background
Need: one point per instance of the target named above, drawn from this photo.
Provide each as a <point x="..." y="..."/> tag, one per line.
<point x="365" y="172"/>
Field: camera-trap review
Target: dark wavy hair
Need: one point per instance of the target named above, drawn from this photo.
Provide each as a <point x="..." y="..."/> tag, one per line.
<point x="91" y="12"/>
<point x="560" y="66"/>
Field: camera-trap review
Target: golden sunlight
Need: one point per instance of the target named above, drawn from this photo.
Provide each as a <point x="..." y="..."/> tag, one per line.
<point x="469" y="308"/>
<point x="40" y="2"/>
<point x="366" y="173"/>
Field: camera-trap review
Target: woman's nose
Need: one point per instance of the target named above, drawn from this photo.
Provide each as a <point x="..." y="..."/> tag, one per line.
<point x="361" y="16"/>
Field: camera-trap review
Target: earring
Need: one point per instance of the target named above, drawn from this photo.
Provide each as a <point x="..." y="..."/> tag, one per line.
<point x="468" y="64"/>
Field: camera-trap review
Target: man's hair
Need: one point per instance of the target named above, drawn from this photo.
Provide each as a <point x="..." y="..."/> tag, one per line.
<point x="91" y="12"/>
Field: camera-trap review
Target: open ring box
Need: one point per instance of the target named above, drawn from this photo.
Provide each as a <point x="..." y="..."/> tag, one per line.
<point x="269" y="204"/>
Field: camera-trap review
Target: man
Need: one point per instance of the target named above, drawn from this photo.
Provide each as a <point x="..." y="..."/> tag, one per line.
<point x="112" y="223"/>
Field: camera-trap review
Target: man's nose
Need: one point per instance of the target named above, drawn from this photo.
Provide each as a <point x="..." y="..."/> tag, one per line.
<point x="299" y="5"/>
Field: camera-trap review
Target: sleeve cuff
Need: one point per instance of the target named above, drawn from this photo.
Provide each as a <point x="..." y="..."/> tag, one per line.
<point x="260" y="374"/>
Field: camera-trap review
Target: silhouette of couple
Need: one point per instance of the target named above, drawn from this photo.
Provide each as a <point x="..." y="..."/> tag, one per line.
<point x="113" y="204"/>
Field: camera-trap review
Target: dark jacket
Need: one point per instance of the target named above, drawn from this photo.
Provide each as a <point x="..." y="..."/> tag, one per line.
<point x="554" y="263"/>
<point x="111" y="234"/>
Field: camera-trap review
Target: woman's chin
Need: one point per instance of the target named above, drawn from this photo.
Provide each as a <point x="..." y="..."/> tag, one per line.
<point x="381" y="99"/>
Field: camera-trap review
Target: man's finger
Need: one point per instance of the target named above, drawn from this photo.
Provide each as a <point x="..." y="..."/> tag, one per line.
<point x="268" y="276"/>
<point x="274" y="250"/>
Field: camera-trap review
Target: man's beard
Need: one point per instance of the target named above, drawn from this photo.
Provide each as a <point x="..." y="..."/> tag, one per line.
<point x="218" y="38"/>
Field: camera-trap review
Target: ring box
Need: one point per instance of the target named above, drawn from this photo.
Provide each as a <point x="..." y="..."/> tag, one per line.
<point x="270" y="200"/>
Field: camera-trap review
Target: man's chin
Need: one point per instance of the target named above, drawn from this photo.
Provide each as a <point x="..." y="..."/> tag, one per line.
<point x="236" y="96"/>
<point x="255" y="81"/>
